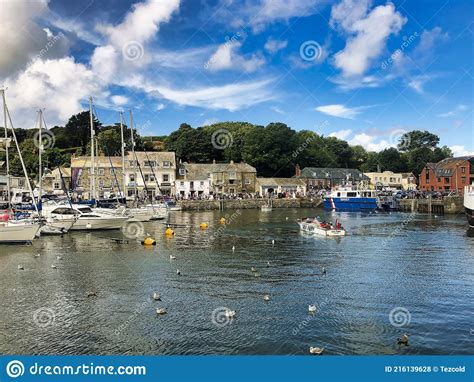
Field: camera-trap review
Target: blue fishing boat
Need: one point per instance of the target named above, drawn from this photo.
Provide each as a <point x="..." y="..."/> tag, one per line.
<point x="351" y="199"/>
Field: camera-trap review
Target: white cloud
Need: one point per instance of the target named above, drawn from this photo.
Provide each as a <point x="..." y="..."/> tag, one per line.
<point x="461" y="151"/>
<point x="141" y="23"/>
<point x="339" y="110"/>
<point x="452" y="113"/>
<point x="119" y="100"/>
<point x="23" y="38"/>
<point x="367" y="33"/>
<point x="273" y="46"/>
<point x="160" y="106"/>
<point x="341" y="134"/>
<point x="417" y="83"/>
<point x="368" y="142"/>
<point x="277" y="110"/>
<point x="230" y="97"/>
<point x="227" y="57"/>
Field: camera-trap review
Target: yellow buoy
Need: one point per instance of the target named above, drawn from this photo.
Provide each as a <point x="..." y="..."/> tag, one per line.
<point x="203" y="225"/>
<point x="222" y="220"/>
<point x="169" y="232"/>
<point x="149" y="241"/>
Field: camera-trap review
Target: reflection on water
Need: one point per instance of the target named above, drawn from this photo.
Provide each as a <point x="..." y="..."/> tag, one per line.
<point x="425" y="267"/>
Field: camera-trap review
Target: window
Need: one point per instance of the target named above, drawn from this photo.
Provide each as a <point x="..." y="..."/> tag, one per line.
<point x="202" y="184"/>
<point x="133" y="163"/>
<point x="352" y="194"/>
<point x="446" y="180"/>
<point x="101" y="183"/>
<point x="232" y="175"/>
<point x="463" y="179"/>
<point x="132" y="178"/>
<point x="57" y="186"/>
<point x="146" y="177"/>
<point x="463" y="170"/>
<point x="247" y="181"/>
<point x="21" y="182"/>
<point x="150" y="163"/>
<point x="101" y="171"/>
<point x="166" y="178"/>
<point x="231" y="181"/>
<point x="182" y="171"/>
<point x="166" y="164"/>
<point x="427" y="175"/>
<point x="181" y="184"/>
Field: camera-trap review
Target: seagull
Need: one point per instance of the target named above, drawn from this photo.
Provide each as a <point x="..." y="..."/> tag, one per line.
<point x="172" y="257"/>
<point x="316" y="351"/>
<point x="156" y="296"/>
<point x="160" y="311"/>
<point x="312" y="308"/>
<point x="403" y="340"/>
<point x="53" y="266"/>
<point x="273" y="242"/>
<point x="268" y="264"/>
<point x="257" y="274"/>
<point x="59" y="257"/>
<point x="324" y="271"/>
<point x="37" y="255"/>
<point x="253" y="269"/>
<point x="230" y="313"/>
<point x="20" y="267"/>
<point x="266" y="297"/>
<point x="286" y="218"/>
<point x="233" y="248"/>
<point x="178" y="272"/>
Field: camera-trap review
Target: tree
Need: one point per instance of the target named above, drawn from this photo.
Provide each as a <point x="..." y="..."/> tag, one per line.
<point x="417" y="138"/>
<point x="391" y="159"/>
<point x="110" y="142"/>
<point x="78" y="129"/>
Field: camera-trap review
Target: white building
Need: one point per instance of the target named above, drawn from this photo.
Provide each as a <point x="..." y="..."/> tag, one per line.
<point x="193" y="180"/>
<point x="275" y="186"/>
<point x="386" y="179"/>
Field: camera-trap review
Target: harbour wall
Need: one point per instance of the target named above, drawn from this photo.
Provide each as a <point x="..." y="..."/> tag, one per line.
<point x="202" y="205"/>
<point x="447" y="205"/>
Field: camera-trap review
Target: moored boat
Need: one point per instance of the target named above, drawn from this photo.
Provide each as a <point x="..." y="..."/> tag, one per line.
<point x="469" y="204"/>
<point x="351" y="199"/>
<point x="316" y="226"/>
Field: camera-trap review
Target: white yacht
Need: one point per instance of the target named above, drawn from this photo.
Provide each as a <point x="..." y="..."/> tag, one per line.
<point x="469" y="204"/>
<point x="18" y="231"/>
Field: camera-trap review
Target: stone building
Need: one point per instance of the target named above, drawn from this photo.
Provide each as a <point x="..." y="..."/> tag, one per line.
<point x="281" y="186"/>
<point x="53" y="184"/>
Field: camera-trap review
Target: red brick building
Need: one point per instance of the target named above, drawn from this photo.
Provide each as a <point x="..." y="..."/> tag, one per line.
<point x="450" y="174"/>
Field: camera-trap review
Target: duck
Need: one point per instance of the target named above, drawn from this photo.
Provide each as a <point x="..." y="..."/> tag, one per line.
<point x="256" y="274"/>
<point x="266" y="297"/>
<point x="178" y="272"/>
<point x="20" y="267"/>
<point x="403" y="340"/>
<point x="59" y="257"/>
<point x="230" y="313"/>
<point x="253" y="269"/>
<point x="273" y="241"/>
<point x="156" y="296"/>
<point x="268" y="264"/>
<point x="316" y="351"/>
<point x="233" y="248"/>
<point x="53" y="266"/>
<point x="161" y="311"/>
<point x="37" y="255"/>
<point x="324" y="271"/>
<point x="312" y="308"/>
<point x="172" y="257"/>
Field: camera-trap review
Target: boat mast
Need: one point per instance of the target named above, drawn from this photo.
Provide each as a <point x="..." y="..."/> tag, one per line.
<point x="7" y="157"/>
<point x="92" y="177"/>
<point x="133" y="157"/>
<point x="123" y="155"/>
<point x="40" y="152"/>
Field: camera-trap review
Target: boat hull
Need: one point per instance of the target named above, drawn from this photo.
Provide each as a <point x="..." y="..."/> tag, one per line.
<point x="11" y="233"/>
<point x="350" y="204"/>
<point x="57" y="226"/>
<point x="469" y="216"/>
<point x="469" y="204"/>
<point x="101" y="223"/>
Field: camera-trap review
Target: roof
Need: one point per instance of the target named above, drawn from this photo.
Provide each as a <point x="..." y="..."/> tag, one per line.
<point x="332" y="173"/>
<point x="385" y="173"/>
<point x="210" y="168"/>
<point x="65" y="171"/>
<point x="158" y="156"/>
<point x="194" y="172"/>
<point x="100" y="161"/>
<point x="104" y="161"/>
<point x="447" y="167"/>
<point x="281" y="182"/>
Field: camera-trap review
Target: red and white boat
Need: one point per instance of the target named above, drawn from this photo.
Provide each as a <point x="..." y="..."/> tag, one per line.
<point x="318" y="227"/>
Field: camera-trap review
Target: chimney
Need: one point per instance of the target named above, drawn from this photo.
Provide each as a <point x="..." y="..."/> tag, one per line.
<point x="297" y="170"/>
<point x="213" y="161"/>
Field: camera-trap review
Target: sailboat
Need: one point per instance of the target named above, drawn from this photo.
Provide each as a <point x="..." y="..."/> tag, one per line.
<point x="11" y="230"/>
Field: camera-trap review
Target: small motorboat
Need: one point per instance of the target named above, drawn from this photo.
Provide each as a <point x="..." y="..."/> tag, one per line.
<point x="318" y="227"/>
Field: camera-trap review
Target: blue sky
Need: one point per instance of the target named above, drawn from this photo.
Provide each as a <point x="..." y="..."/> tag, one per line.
<point x="365" y="71"/>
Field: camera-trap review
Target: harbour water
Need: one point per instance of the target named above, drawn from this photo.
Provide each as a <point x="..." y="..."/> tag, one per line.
<point x="393" y="274"/>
